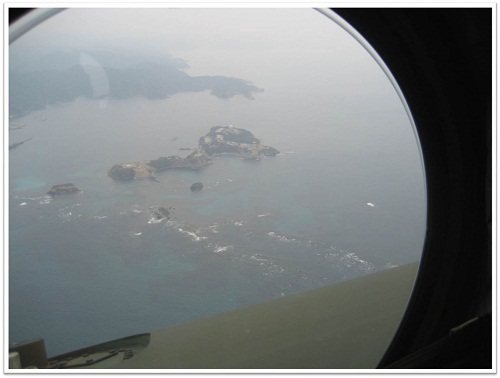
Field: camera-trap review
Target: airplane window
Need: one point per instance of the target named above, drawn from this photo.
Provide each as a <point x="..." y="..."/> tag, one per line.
<point x="167" y="165"/>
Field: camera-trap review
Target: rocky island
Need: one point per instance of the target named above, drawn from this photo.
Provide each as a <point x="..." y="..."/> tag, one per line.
<point x="160" y="213"/>
<point x="231" y="140"/>
<point x="219" y="140"/>
<point x="131" y="171"/>
<point x="197" y="186"/>
<point x="62" y="189"/>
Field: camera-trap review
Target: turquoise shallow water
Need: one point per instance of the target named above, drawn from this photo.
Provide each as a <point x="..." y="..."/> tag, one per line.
<point x="28" y="183"/>
<point x="93" y="266"/>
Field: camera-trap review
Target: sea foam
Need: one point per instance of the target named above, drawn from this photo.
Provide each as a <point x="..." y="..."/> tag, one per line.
<point x="192" y="235"/>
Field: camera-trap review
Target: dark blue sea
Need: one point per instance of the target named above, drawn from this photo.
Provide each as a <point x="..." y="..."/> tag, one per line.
<point x="345" y="198"/>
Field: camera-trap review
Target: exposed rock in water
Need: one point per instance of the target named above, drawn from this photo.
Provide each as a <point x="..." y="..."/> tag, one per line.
<point x="62" y="189"/>
<point x="164" y="162"/>
<point x="121" y="172"/>
<point x="196" y="160"/>
<point x="160" y="213"/>
<point x="131" y="171"/>
<point x="268" y="151"/>
<point x="197" y="186"/>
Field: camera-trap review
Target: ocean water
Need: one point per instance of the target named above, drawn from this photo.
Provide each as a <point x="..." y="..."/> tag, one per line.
<point x="344" y="198"/>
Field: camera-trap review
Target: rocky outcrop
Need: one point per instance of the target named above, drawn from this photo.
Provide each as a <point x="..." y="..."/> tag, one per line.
<point x="196" y="160"/>
<point x="121" y="172"/>
<point x="164" y="162"/>
<point x="62" y="189"/>
<point x="159" y="213"/>
<point x="131" y="171"/>
<point x="268" y="151"/>
<point x="197" y="186"/>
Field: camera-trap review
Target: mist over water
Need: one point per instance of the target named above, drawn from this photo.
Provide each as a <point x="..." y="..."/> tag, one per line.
<point x="344" y="198"/>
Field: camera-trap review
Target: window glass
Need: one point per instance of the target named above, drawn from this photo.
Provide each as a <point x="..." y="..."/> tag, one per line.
<point x="172" y="164"/>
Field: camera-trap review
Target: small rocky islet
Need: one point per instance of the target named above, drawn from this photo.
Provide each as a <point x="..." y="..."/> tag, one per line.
<point x="219" y="140"/>
<point x="62" y="189"/>
<point x="159" y="213"/>
<point x="197" y="186"/>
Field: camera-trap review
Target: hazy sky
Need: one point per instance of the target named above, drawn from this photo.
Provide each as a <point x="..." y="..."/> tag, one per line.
<point x="186" y="29"/>
<point x="259" y="45"/>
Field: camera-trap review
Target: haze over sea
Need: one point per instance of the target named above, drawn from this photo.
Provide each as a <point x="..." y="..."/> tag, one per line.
<point x="344" y="198"/>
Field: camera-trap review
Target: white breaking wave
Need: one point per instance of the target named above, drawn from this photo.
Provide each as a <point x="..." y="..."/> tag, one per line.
<point x="239" y="224"/>
<point x="26" y="198"/>
<point x="155" y="221"/>
<point x="264" y="215"/>
<point x="100" y="216"/>
<point x="280" y="237"/>
<point x="219" y="249"/>
<point x="67" y="212"/>
<point x="259" y="258"/>
<point x="268" y="264"/>
<point x="138" y="233"/>
<point x="67" y="216"/>
<point x="351" y="259"/>
<point x="343" y="258"/>
<point x="192" y="235"/>
<point x="45" y="200"/>
<point x="212" y="185"/>
<point x="214" y="229"/>
<point x="390" y="266"/>
<point x="22" y="204"/>
<point x="370" y="204"/>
